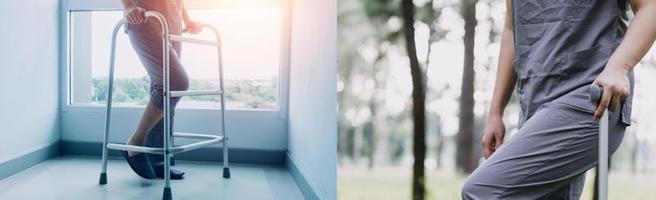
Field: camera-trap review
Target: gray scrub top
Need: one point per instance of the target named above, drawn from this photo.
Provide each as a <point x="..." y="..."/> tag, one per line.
<point x="561" y="46"/>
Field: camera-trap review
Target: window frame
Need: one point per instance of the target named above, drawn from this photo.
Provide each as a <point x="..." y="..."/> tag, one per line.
<point x="66" y="90"/>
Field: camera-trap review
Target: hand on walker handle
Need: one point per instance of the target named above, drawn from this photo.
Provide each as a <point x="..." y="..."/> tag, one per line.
<point x="192" y="27"/>
<point x="134" y="15"/>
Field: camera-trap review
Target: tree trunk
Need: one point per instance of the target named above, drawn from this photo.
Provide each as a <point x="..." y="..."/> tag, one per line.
<point x="371" y="137"/>
<point x="373" y="108"/>
<point x="431" y="38"/>
<point x="634" y="153"/>
<point x="418" y="101"/>
<point x="344" y="145"/>
<point x="432" y="31"/>
<point x="439" y="148"/>
<point x="351" y="143"/>
<point x="465" y="156"/>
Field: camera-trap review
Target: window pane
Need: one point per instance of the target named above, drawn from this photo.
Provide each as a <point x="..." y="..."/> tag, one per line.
<point x="251" y="53"/>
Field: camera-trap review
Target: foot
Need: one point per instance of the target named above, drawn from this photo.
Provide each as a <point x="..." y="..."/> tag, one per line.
<point x="175" y="174"/>
<point x="130" y="142"/>
<point x="140" y="165"/>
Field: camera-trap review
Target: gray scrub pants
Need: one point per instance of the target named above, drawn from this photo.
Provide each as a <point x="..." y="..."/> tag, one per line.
<point x="147" y="43"/>
<point x="547" y="158"/>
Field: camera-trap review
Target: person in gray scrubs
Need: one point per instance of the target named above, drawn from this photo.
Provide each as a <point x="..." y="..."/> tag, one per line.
<point x="553" y="50"/>
<point x="145" y="36"/>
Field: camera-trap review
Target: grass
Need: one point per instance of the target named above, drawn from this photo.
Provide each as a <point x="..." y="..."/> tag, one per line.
<point x="394" y="183"/>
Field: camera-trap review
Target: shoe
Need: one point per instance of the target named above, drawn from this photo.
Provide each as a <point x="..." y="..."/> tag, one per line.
<point x="140" y="165"/>
<point x="175" y="174"/>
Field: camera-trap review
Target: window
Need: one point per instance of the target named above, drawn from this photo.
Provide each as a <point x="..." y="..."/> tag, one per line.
<point x="252" y="47"/>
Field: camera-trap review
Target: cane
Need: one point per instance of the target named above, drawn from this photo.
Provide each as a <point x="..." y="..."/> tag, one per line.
<point x="595" y="96"/>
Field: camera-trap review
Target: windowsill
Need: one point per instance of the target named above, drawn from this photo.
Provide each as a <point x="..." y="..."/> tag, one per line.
<point x="95" y="106"/>
<point x="136" y="110"/>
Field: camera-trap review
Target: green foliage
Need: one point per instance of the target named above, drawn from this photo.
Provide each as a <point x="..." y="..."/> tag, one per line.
<point x="133" y="91"/>
<point x="243" y="94"/>
<point x="379" y="12"/>
<point x="381" y="9"/>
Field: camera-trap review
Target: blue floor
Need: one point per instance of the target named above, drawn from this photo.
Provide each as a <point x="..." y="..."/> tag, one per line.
<point x="76" y="177"/>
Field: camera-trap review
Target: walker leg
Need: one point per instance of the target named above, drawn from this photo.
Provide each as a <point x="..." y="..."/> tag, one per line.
<point x="226" y="161"/>
<point x="226" y="168"/>
<point x="103" y="178"/>
<point x="103" y="171"/>
<point x="167" y="194"/>
<point x="167" y="174"/>
<point x="168" y="130"/>
<point x="168" y="127"/>
<point x="167" y="160"/>
<point x="108" y="109"/>
<point x="226" y="172"/>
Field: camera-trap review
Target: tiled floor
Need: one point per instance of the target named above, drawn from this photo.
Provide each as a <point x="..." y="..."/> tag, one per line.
<point x="76" y="177"/>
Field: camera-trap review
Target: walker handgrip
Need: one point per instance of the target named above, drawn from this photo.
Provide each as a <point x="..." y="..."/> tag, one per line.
<point x="154" y="14"/>
<point x="595" y="94"/>
<point x="162" y="20"/>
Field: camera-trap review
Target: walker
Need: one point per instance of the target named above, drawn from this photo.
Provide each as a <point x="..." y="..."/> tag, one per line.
<point x="168" y="149"/>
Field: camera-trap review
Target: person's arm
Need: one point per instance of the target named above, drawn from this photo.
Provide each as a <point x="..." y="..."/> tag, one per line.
<point x="191" y="26"/>
<point x="505" y="82"/>
<point x="183" y="11"/>
<point x="133" y="13"/>
<point x="638" y="39"/>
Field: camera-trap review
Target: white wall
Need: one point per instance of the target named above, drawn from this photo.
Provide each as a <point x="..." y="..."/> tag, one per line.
<point x="312" y="101"/>
<point x="28" y="76"/>
<point x="246" y="130"/>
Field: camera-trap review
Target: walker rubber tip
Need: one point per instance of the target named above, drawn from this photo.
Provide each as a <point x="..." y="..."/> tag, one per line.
<point x="103" y="179"/>
<point x="226" y="172"/>
<point x="167" y="194"/>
